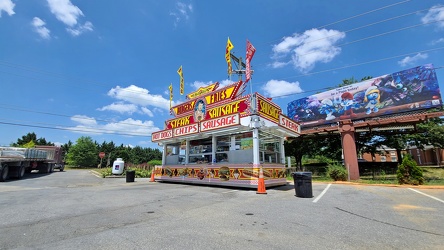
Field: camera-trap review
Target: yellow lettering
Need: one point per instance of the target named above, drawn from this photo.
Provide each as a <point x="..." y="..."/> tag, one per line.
<point x="227" y="109"/>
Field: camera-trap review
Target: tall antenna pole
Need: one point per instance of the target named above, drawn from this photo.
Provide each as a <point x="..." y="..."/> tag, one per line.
<point x="241" y="69"/>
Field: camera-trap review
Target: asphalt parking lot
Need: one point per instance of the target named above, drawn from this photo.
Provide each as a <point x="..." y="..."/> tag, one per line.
<point x="78" y="210"/>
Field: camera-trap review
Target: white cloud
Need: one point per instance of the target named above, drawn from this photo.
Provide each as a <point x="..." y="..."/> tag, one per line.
<point x="434" y="42"/>
<point x="276" y="88"/>
<point x="84" y="120"/>
<point x="69" y="14"/>
<point x="120" y="108"/>
<point x="132" y="126"/>
<point x="147" y="111"/>
<point x="435" y="14"/>
<point x="197" y="84"/>
<point x="412" y="60"/>
<point x="225" y="82"/>
<point x="7" y="6"/>
<point x="126" y="127"/>
<point x="80" y="29"/>
<point x="65" y="11"/>
<point x="39" y="27"/>
<point x="181" y="12"/>
<point x="139" y="96"/>
<point x="306" y="49"/>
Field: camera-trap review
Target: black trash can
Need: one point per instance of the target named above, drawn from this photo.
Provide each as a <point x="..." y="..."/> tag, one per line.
<point x="302" y="184"/>
<point x="130" y="175"/>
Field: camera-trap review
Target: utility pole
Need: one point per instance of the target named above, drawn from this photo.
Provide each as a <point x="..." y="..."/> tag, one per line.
<point x="240" y="69"/>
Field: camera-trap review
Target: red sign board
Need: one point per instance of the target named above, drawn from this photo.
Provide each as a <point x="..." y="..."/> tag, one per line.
<point x="101" y="155"/>
<point x="268" y="109"/>
<point x="289" y="124"/>
<point x="161" y="135"/>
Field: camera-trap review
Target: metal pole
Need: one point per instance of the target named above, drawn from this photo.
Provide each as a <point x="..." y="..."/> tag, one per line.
<point x="187" y="151"/>
<point x="239" y="69"/>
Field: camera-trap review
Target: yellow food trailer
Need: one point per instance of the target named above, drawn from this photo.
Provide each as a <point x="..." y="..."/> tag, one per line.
<point x="221" y="137"/>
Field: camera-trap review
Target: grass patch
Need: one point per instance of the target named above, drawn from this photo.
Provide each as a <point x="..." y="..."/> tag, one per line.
<point x="433" y="176"/>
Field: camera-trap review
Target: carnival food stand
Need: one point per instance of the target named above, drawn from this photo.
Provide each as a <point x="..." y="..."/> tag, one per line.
<point x="220" y="137"/>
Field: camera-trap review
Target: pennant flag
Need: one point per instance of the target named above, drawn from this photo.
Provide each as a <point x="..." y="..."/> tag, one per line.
<point x="249" y="56"/>
<point x="179" y="71"/>
<point x="227" y="55"/>
<point x="171" y="93"/>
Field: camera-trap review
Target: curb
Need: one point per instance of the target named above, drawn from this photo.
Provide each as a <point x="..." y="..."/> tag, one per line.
<point x="377" y="185"/>
<point x="388" y="185"/>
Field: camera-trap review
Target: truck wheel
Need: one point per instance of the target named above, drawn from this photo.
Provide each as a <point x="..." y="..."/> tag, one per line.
<point x="62" y="168"/>
<point x="21" y="172"/>
<point x="51" y="168"/>
<point x="48" y="168"/>
<point x="4" y="171"/>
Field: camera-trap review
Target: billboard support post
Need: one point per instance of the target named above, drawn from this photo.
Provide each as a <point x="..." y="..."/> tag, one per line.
<point x="349" y="146"/>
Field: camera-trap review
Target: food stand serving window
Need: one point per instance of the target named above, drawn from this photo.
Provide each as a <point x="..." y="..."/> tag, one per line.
<point x="269" y="148"/>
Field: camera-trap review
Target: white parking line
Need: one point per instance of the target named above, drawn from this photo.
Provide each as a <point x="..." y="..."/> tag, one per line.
<point x="323" y="192"/>
<point x="433" y="197"/>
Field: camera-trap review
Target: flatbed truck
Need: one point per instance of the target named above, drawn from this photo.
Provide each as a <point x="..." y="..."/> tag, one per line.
<point x="15" y="162"/>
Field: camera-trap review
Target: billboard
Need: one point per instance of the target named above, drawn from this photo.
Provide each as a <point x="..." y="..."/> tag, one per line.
<point x="412" y="89"/>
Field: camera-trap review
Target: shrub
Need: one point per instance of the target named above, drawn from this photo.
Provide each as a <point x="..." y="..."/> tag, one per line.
<point x="155" y="162"/>
<point x="337" y="172"/>
<point x="139" y="173"/>
<point x="106" y="172"/>
<point x="408" y="172"/>
<point x="142" y="173"/>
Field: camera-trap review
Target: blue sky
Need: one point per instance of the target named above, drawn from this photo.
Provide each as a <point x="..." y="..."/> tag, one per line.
<point x="71" y="68"/>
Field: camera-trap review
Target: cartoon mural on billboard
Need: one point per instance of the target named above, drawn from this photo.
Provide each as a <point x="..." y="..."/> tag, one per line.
<point x="412" y="89"/>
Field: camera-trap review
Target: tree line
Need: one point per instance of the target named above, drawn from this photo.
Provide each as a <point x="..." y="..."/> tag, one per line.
<point x="85" y="152"/>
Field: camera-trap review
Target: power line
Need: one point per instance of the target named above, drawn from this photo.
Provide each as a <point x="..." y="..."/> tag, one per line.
<point x="86" y="130"/>
<point x="5" y="106"/>
<point x="363" y="14"/>
<point x="138" y="92"/>
<point x="342" y="20"/>
<point x="355" y="16"/>
<point x="363" y="63"/>
<point x="346" y="19"/>
<point x="374" y="23"/>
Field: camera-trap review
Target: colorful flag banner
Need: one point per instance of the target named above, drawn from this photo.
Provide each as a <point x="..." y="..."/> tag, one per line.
<point x="250" y="53"/>
<point x="180" y="72"/>
<point x="227" y="55"/>
<point x="171" y="93"/>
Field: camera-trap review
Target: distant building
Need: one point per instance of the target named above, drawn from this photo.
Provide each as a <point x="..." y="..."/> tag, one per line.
<point x="384" y="154"/>
<point x="429" y="156"/>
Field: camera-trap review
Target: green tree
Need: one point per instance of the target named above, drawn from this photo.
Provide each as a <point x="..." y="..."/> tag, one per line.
<point x="31" y="137"/>
<point x="123" y="152"/>
<point x="67" y="146"/>
<point x="109" y="149"/>
<point x="430" y="132"/>
<point x="409" y="173"/>
<point x="314" y="146"/>
<point x="83" y="154"/>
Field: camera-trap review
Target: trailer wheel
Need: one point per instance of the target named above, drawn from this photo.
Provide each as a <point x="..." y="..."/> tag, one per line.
<point x="4" y="171"/>
<point x="21" y="172"/>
